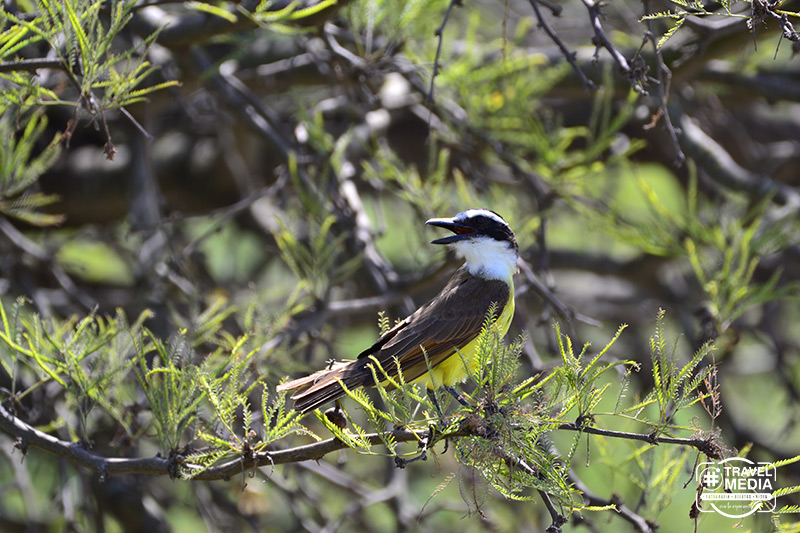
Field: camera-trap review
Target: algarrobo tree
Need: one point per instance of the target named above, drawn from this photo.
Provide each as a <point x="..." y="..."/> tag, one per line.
<point x="187" y="391"/>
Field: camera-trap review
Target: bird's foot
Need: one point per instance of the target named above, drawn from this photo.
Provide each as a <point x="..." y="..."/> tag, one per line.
<point x="424" y="443"/>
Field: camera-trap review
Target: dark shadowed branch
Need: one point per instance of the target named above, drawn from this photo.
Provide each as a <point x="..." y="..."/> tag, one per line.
<point x="568" y="55"/>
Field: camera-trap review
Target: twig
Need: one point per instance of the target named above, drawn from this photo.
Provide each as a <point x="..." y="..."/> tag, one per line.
<point x="341" y="51"/>
<point x="664" y="77"/>
<point x="561" y="309"/>
<point x="558" y="519"/>
<point x="760" y="8"/>
<point x="32" y="65"/>
<point x="148" y="137"/>
<point x="570" y="56"/>
<point x="440" y="34"/>
<point x="22" y="242"/>
<point x="27" y="436"/>
<point x="601" y="40"/>
<point x="641" y="525"/>
<point x="721" y="167"/>
<point x="706" y="446"/>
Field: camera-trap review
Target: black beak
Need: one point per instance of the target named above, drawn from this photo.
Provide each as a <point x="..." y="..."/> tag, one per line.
<point x="461" y="231"/>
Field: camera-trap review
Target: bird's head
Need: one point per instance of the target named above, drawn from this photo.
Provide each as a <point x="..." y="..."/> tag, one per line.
<point x="484" y="239"/>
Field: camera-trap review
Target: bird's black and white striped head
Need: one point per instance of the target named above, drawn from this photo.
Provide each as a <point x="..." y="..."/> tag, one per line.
<point x="484" y="239"/>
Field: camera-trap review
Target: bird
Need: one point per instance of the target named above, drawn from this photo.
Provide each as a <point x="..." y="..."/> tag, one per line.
<point x="435" y="344"/>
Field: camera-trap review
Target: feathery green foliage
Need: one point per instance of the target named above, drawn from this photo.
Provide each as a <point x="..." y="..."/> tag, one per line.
<point x="204" y="393"/>
<point x="168" y="385"/>
<point x="86" y="358"/>
<point x="686" y="9"/>
<point x="576" y="382"/>
<point x="21" y="167"/>
<point x="675" y="385"/>
<point x="317" y="260"/>
<point x="723" y="250"/>
<point x="104" y="76"/>
<point x="724" y="258"/>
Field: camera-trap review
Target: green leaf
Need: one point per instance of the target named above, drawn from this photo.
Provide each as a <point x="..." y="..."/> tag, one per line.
<point x="215" y="10"/>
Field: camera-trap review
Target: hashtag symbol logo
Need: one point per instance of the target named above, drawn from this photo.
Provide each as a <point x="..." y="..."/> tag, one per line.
<point x="711" y="477"/>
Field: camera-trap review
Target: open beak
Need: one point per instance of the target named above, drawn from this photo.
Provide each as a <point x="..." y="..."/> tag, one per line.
<point x="461" y="231"/>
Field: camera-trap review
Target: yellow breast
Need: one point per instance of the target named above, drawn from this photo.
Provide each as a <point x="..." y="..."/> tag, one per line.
<point x="452" y="370"/>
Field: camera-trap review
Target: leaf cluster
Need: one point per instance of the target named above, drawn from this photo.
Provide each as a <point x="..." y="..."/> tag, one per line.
<point x="83" y="35"/>
<point x="22" y="164"/>
<point x="676" y="385"/>
<point x="93" y="359"/>
<point x="723" y="249"/>
<point x="683" y="10"/>
<point x="86" y="358"/>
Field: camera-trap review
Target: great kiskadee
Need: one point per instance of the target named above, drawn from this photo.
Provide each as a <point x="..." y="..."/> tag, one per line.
<point x="444" y="330"/>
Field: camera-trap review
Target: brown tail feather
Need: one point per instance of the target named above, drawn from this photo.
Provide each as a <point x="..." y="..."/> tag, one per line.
<point x="324" y="386"/>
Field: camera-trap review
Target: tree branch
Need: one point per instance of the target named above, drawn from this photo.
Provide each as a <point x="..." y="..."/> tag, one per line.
<point x="697" y="144"/>
<point x="706" y="446"/>
<point x="664" y="78"/>
<point x="601" y="40"/>
<point x="75" y="453"/>
<point x="569" y="56"/>
<point x="641" y="525"/>
<point x="439" y="33"/>
<point x="31" y="65"/>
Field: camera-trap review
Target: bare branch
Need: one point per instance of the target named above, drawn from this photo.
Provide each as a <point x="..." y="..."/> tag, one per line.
<point x="32" y="65"/>
<point x="601" y="40"/>
<point x="641" y="525"/>
<point x="664" y="77"/>
<point x="439" y="33"/>
<point x="707" y="446"/>
<point x="569" y="56"/>
<point x="727" y="172"/>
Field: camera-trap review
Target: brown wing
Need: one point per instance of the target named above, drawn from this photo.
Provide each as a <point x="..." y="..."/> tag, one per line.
<point x="450" y="321"/>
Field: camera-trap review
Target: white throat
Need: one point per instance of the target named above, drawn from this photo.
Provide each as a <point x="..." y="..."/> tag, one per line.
<point x="488" y="258"/>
